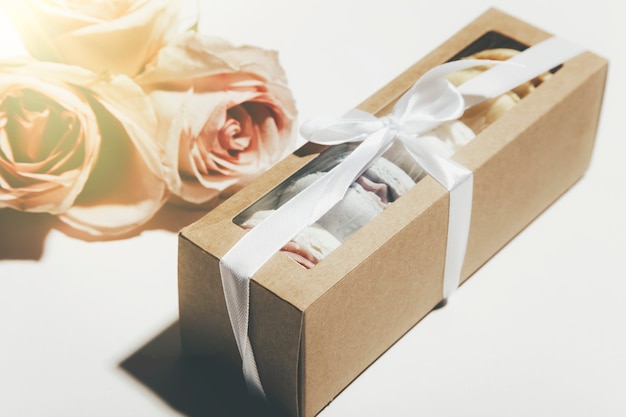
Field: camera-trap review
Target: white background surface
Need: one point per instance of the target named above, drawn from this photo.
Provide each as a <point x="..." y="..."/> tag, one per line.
<point x="90" y="328"/>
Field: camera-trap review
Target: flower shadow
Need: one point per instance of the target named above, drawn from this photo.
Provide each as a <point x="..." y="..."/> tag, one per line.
<point x="170" y="218"/>
<point x="22" y="235"/>
<point x="192" y="386"/>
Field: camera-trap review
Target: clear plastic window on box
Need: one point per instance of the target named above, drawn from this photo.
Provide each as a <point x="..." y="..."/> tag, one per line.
<point x="395" y="172"/>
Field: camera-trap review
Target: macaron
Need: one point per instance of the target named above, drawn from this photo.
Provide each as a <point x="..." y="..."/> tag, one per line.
<point x="480" y="116"/>
<point x="308" y="247"/>
<point x="367" y="197"/>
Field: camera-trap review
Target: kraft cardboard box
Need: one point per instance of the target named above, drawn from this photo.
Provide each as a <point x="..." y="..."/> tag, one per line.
<point x="315" y="330"/>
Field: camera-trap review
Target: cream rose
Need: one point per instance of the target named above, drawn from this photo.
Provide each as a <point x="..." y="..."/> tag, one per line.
<point x="118" y="36"/>
<point x="226" y="114"/>
<point x="78" y="146"/>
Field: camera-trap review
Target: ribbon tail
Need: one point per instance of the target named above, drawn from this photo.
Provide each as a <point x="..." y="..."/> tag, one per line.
<point x="251" y="372"/>
<point x="459" y="219"/>
<point x="237" y="296"/>
<point x="459" y="181"/>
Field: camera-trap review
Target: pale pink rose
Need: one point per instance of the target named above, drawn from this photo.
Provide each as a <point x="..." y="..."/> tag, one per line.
<point x="226" y="114"/>
<point x="117" y="36"/>
<point x="78" y="146"/>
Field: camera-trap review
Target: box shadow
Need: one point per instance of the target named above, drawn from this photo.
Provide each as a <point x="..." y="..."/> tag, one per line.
<point x="193" y="386"/>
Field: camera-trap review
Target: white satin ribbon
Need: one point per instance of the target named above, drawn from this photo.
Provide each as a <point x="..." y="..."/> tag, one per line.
<point x="430" y="102"/>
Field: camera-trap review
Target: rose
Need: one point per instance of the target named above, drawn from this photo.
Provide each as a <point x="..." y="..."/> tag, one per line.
<point x="226" y="114"/>
<point x="78" y="146"/>
<point x="116" y="36"/>
<point x="39" y="174"/>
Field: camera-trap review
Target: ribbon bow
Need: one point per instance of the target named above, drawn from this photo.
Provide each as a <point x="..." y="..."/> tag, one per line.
<point x="430" y="102"/>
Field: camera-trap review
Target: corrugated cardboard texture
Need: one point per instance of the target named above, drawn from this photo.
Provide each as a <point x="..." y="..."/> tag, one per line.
<point x="314" y="331"/>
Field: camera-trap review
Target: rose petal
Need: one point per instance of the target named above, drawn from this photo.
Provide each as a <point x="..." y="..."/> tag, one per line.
<point x="119" y="37"/>
<point x="123" y="191"/>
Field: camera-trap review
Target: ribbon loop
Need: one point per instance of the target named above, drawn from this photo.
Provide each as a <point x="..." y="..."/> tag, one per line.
<point x="353" y="127"/>
<point x="431" y="101"/>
